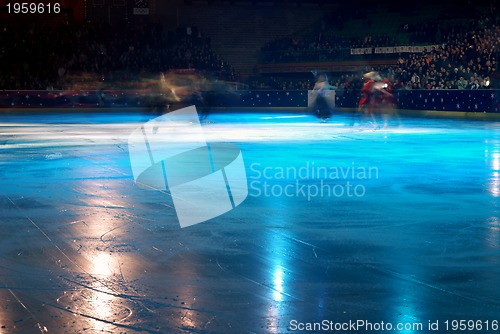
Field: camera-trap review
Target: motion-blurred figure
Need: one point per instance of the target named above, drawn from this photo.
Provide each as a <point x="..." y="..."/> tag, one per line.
<point x="323" y="103"/>
<point x="386" y="104"/>
<point x="375" y="98"/>
<point x="180" y="88"/>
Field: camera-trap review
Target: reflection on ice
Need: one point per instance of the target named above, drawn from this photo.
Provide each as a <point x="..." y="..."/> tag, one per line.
<point x="102" y="265"/>
<point x="495" y="161"/>
<point x="495" y="184"/>
<point x="492" y="162"/>
<point x="98" y="229"/>
<point x="102" y="299"/>
<point x="407" y="321"/>
<point x="493" y="237"/>
<point x="278" y="283"/>
<point x="279" y="247"/>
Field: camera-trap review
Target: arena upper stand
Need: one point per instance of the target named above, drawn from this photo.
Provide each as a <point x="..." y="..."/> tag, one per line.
<point x="47" y="57"/>
<point x="95" y="54"/>
<point x="459" y="48"/>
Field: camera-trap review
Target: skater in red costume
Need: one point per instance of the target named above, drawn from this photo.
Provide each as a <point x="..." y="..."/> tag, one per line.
<point x="386" y="103"/>
<point x="374" y="93"/>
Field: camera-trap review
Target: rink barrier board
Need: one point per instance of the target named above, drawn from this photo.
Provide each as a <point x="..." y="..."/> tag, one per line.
<point x="468" y="102"/>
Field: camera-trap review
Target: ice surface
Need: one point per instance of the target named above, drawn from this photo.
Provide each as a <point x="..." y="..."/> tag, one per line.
<point x="341" y="224"/>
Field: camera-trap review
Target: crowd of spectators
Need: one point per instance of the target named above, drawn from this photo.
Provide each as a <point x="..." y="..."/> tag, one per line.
<point x="37" y="57"/>
<point x="467" y="57"/>
<point x="323" y="46"/>
<point x="311" y="48"/>
<point x="465" y="61"/>
<point x="325" y="42"/>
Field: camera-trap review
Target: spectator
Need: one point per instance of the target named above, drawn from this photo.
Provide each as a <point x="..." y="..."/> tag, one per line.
<point x="462" y="83"/>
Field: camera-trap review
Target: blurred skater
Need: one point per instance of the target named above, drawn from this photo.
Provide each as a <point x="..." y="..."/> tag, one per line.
<point x="322" y="101"/>
<point x="387" y="103"/>
<point x="373" y="94"/>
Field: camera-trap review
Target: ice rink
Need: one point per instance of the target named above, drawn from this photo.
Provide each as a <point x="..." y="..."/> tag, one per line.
<point x="392" y="227"/>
